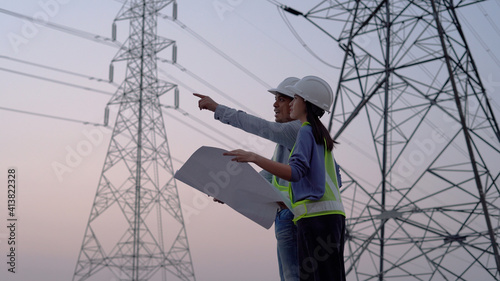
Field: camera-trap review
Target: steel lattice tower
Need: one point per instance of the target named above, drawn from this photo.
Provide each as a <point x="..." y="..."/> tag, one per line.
<point x="427" y="205"/>
<point x="136" y="229"/>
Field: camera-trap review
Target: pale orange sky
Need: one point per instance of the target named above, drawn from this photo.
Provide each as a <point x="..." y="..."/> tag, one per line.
<point x="53" y="209"/>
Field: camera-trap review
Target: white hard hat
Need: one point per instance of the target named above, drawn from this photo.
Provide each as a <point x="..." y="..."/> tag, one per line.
<point x="314" y="90"/>
<point x="281" y="89"/>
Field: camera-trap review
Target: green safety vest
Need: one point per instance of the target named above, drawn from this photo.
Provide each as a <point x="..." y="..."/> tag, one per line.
<point x="282" y="188"/>
<point x="330" y="203"/>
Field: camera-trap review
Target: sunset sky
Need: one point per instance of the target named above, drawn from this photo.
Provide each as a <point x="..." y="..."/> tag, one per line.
<point x="49" y="72"/>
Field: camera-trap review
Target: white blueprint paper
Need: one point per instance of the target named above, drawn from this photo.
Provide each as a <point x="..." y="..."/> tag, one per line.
<point x="236" y="184"/>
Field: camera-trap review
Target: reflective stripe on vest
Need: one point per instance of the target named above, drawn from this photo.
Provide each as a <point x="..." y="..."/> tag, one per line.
<point x="330" y="203"/>
<point x="282" y="188"/>
<point x="300" y="211"/>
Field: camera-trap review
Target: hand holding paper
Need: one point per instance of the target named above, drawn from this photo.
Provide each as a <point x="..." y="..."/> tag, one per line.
<point x="241" y="155"/>
<point x="238" y="185"/>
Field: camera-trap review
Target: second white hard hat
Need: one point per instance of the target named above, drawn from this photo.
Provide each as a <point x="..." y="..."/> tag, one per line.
<point x="314" y="90"/>
<point x="281" y="89"/>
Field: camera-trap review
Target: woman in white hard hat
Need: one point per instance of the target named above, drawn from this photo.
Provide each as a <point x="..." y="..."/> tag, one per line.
<point x="284" y="132"/>
<point x="314" y="190"/>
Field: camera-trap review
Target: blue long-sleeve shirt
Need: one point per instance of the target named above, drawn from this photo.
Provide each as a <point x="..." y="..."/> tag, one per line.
<point x="284" y="134"/>
<point x="308" y="167"/>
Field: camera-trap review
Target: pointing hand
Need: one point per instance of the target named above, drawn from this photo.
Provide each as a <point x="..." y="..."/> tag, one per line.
<point x="206" y="102"/>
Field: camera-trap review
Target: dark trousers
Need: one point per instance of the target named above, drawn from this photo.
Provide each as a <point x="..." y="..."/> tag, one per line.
<point x="321" y="248"/>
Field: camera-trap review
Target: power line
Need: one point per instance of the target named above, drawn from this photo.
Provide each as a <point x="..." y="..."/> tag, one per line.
<point x="218" y="51"/>
<point x="280" y="43"/>
<point x="105" y="40"/>
<point x="204" y="124"/>
<point x="85" y="35"/>
<point x="59" y="70"/>
<point x="72" y="31"/>
<point x="207" y="84"/>
<point x="56" y="81"/>
<point x="207" y="126"/>
<point x="479" y="39"/>
<point x="196" y="129"/>
<point x="302" y="42"/>
<point x="116" y="44"/>
<point x="274" y="2"/>
<point x="177" y="160"/>
<point x="224" y="55"/>
<point x="487" y="16"/>
<point x="51" y="116"/>
<point x="69" y="30"/>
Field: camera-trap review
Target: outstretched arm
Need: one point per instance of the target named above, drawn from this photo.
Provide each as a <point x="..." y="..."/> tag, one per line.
<point x="281" y="133"/>
<point x="276" y="168"/>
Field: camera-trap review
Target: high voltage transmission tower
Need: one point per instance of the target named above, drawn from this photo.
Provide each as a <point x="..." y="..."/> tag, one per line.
<point x="427" y="207"/>
<point x="136" y="229"/>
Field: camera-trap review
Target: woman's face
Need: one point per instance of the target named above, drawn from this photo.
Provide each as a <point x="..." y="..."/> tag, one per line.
<point x="298" y="109"/>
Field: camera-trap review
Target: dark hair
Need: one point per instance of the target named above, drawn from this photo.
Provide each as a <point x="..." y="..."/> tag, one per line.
<point x="320" y="133"/>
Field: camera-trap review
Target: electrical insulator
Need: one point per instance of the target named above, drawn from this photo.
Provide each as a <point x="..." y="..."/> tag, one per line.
<point x="292" y="11"/>
<point x="113" y="32"/>
<point x="176" y="98"/>
<point x="106" y="116"/>
<point x="111" y="71"/>
<point x="174" y="11"/>
<point x="174" y="53"/>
